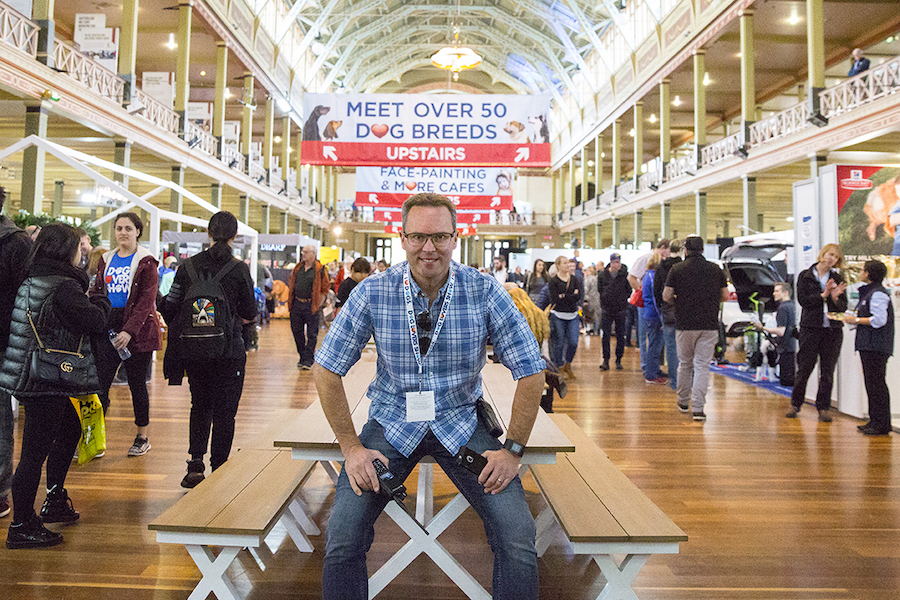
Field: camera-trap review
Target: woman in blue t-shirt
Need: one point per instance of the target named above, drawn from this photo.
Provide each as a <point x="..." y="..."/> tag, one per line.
<point x="129" y="274"/>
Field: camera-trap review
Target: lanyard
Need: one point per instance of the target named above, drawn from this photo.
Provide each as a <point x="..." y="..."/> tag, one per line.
<point x="411" y="317"/>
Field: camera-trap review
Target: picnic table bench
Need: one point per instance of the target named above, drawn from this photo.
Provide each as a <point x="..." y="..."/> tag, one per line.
<point x="236" y="507"/>
<point x="600" y="512"/>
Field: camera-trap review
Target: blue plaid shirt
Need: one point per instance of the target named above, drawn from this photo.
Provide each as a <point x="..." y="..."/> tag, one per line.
<point x="480" y="308"/>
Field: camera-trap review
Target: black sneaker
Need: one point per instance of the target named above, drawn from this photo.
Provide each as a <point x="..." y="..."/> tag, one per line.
<point x="604" y="366"/>
<point x="825" y="416"/>
<point x="792" y="412"/>
<point x="194" y="475"/>
<point x="699" y="416"/>
<point x="58" y="507"/>
<point x="31" y="534"/>
<point x="305" y="367"/>
<point x="683" y="407"/>
<point x="619" y="366"/>
<point x="140" y="446"/>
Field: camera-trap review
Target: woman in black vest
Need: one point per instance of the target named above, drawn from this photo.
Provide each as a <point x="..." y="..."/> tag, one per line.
<point x="51" y="306"/>
<point x="820" y="290"/>
<point x="875" y="343"/>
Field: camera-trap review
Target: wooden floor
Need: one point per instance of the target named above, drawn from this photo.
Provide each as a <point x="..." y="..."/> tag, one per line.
<point x="774" y="508"/>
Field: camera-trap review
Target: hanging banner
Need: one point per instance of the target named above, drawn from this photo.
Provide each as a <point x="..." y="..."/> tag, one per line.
<point x="868" y="202"/>
<point x="426" y="130"/>
<point x="467" y="187"/>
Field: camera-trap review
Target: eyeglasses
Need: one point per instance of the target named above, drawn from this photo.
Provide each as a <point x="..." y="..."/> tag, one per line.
<point x="423" y="323"/>
<point x="417" y="240"/>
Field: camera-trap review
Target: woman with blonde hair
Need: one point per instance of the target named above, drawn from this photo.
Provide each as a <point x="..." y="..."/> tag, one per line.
<point x="821" y="291"/>
<point x="566" y="293"/>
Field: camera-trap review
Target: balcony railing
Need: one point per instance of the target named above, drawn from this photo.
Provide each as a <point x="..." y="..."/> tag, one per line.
<point x="779" y="125"/>
<point x="257" y="172"/>
<point x="82" y="68"/>
<point x="206" y="142"/>
<point x="653" y="178"/>
<point x="233" y="158"/>
<point x="625" y="189"/>
<point x="864" y="88"/>
<point x="156" y="112"/>
<point x="18" y="31"/>
<point x="686" y="165"/>
<point x="722" y="149"/>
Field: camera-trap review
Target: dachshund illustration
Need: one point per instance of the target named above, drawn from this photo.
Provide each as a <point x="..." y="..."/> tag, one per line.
<point x="311" y="128"/>
<point x="541" y="133"/>
<point x="330" y="132"/>
<point x="516" y="131"/>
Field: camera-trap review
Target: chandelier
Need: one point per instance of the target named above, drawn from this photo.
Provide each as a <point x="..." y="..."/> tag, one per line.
<point x="456" y="58"/>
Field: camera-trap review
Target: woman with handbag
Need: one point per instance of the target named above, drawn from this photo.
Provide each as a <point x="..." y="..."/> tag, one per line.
<point x="566" y="293"/>
<point x="129" y="276"/>
<point x="48" y="360"/>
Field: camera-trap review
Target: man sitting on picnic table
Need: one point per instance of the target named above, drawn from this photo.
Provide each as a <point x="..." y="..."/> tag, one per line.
<point x="431" y="318"/>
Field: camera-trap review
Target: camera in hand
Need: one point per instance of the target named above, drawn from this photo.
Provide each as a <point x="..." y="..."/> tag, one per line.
<point x="389" y="485"/>
<point x="471" y="460"/>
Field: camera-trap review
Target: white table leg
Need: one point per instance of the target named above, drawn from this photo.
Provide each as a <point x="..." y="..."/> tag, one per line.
<point x="547" y="529"/>
<point x="420" y="542"/>
<point x="213" y="569"/>
<point x="425" y="493"/>
<point x="619" y="577"/>
<point x="329" y="468"/>
<point x="299" y="509"/>
<point x="297" y="534"/>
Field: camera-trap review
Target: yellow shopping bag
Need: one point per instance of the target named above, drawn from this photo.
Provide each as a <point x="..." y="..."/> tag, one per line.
<point x="93" y="427"/>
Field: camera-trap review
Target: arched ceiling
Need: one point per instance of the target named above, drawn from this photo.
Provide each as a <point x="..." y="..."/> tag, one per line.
<point x="527" y="46"/>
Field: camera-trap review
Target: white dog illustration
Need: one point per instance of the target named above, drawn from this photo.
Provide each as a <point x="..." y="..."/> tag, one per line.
<point x="517" y="133"/>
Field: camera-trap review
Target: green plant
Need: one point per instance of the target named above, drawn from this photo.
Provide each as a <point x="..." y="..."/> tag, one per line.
<point x="24" y="218"/>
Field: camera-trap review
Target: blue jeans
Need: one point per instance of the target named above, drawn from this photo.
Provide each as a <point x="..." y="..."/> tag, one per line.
<point x="651" y="348"/>
<point x="563" y="339"/>
<point x="671" y="354"/>
<point x="6" y="443"/>
<point x="507" y="520"/>
<point x="642" y="341"/>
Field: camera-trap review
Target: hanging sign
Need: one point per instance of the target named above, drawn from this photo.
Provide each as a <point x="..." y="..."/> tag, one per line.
<point x="426" y="130"/>
<point x="467" y="187"/>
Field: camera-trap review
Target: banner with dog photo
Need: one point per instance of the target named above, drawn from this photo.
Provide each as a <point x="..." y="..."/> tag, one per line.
<point x="488" y="188"/>
<point x="868" y="203"/>
<point x="426" y="130"/>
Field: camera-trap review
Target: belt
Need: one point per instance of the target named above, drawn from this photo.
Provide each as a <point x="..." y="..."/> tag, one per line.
<point x="296" y="299"/>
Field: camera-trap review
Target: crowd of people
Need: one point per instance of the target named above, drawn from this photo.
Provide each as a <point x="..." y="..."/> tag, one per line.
<point x="432" y="320"/>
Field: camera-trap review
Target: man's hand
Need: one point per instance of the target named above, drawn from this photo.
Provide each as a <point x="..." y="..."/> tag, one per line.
<point x="361" y="471"/>
<point x="502" y="467"/>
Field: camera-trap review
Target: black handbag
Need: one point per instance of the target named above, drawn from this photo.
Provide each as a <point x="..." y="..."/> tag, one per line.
<point x="62" y="370"/>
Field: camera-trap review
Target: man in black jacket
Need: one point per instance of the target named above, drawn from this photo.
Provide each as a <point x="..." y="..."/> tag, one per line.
<point x="14" y="247"/>
<point x="612" y="283"/>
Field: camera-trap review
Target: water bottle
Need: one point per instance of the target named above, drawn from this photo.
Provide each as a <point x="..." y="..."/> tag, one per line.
<point x="124" y="353"/>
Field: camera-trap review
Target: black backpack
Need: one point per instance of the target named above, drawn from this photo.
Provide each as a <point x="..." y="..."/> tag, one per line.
<point x="206" y="321"/>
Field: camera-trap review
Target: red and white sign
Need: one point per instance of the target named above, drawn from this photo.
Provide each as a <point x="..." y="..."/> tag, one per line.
<point x="487" y="188"/>
<point x="431" y="130"/>
<point x="851" y="179"/>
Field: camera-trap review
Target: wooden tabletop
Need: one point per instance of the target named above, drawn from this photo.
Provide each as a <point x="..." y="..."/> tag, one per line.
<point x="309" y="431"/>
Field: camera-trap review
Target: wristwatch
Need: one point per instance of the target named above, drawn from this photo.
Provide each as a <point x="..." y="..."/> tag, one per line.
<point x="514" y="447"/>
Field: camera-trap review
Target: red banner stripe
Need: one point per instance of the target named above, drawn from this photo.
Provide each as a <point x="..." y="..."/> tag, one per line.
<point x="392" y="154"/>
<point x="387" y="200"/>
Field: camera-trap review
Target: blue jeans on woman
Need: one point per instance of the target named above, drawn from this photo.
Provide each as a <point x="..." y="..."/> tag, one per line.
<point x="563" y="339"/>
<point x="507" y="520"/>
<point x="652" y="329"/>
<point x="671" y="354"/>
